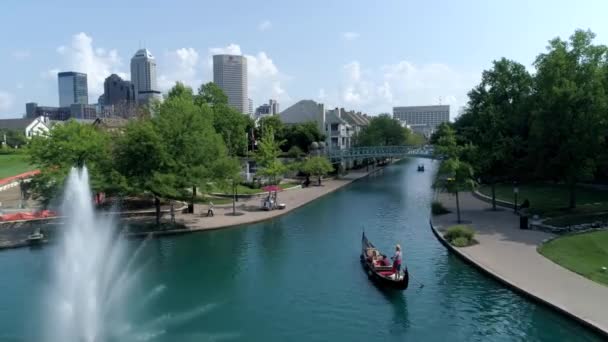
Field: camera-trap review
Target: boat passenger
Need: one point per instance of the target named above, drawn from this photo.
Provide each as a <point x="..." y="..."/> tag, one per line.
<point x="385" y="261"/>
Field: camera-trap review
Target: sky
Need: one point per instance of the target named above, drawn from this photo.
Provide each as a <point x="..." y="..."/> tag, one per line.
<point x="363" y="55"/>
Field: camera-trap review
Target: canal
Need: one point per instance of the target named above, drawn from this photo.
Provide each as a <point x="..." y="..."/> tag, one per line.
<point x="298" y="278"/>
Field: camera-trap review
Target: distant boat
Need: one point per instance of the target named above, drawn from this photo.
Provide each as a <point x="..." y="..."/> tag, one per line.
<point x="36" y="237"/>
<point x="421" y="168"/>
<point x="381" y="275"/>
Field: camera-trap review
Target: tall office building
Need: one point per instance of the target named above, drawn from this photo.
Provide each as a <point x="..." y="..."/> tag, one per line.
<point x="230" y="74"/>
<point x="422" y="119"/>
<point x="250" y="107"/>
<point x="143" y="76"/>
<point x="118" y="91"/>
<point x="73" y="88"/>
<point x="270" y="108"/>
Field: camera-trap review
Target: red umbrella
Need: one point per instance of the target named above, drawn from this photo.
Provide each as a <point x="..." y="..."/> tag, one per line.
<point x="271" y="188"/>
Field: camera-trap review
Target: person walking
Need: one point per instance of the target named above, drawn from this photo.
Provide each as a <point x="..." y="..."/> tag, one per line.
<point x="210" y="210"/>
<point x="172" y="212"/>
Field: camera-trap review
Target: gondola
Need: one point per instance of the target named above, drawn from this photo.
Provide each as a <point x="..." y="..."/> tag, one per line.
<point x="381" y="275"/>
<point x="421" y="168"/>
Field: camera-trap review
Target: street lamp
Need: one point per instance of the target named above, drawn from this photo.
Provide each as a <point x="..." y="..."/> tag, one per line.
<point x="515" y="192"/>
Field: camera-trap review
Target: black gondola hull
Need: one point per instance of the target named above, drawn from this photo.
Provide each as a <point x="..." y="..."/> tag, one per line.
<point x="375" y="276"/>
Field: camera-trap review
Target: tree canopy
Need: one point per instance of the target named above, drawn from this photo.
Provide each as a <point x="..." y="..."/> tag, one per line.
<point x="551" y="125"/>
<point x="383" y="131"/>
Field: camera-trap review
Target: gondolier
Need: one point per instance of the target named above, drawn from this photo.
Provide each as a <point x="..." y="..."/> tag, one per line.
<point x="378" y="271"/>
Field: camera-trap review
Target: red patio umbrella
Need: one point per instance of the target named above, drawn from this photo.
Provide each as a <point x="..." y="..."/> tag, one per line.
<point x="271" y="188"/>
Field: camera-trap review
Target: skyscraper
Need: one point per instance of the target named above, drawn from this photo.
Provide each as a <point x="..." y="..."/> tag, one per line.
<point x="230" y="74"/>
<point x="73" y="88"/>
<point x="118" y="91"/>
<point x="250" y="107"/>
<point x="143" y="76"/>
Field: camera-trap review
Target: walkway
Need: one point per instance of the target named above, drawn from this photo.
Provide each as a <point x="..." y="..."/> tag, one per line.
<point x="510" y="254"/>
<point x="250" y="208"/>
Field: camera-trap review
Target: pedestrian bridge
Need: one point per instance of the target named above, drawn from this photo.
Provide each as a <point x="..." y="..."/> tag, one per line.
<point x="367" y="152"/>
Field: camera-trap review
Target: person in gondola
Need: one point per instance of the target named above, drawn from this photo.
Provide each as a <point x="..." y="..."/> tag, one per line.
<point x="385" y="261"/>
<point x="397" y="260"/>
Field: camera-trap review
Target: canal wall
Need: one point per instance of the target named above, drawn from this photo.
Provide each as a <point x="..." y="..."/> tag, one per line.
<point x="585" y="320"/>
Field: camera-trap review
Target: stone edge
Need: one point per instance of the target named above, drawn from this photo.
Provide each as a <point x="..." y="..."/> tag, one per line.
<point x="588" y="324"/>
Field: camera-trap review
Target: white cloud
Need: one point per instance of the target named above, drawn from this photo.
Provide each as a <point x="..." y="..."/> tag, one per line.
<point x="264" y="78"/>
<point x="21" y="54"/>
<point x="265" y="25"/>
<point x="322" y="95"/>
<point x="405" y="83"/>
<point x="183" y="66"/>
<point x="50" y="74"/>
<point x="98" y="63"/>
<point x="6" y="101"/>
<point x="350" y="36"/>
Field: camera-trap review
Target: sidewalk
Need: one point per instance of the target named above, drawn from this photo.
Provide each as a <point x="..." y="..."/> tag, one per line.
<point x="248" y="210"/>
<point x="510" y="254"/>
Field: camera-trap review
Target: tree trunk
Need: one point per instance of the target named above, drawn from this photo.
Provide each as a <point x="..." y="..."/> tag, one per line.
<point x="457" y="207"/>
<point x="319" y="180"/>
<point x="234" y="200"/>
<point x="193" y="195"/>
<point x="157" y="205"/>
<point x="572" y="195"/>
<point x="493" y="195"/>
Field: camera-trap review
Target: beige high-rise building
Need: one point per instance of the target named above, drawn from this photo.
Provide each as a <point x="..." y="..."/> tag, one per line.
<point x="230" y="74"/>
<point x="143" y="76"/>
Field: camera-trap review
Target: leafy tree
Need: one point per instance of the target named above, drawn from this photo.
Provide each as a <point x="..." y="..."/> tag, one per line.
<point x="455" y="176"/>
<point x="267" y="156"/>
<point x="569" y="126"/>
<point x="195" y="149"/>
<point x="180" y="90"/>
<point x="317" y="166"/>
<point x="211" y="94"/>
<point x="497" y="110"/>
<point x="227" y="121"/>
<point x="302" y="135"/>
<point x="272" y="122"/>
<point x="65" y="146"/>
<point x="14" y="138"/>
<point x="383" y="131"/>
<point x="144" y="163"/>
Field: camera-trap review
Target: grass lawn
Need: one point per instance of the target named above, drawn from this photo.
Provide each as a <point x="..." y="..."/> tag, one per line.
<point x="244" y="190"/>
<point x="551" y="200"/>
<point x="584" y="254"/>
<point x="13" y="164"/>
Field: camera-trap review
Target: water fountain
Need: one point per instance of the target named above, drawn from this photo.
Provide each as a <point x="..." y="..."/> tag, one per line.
<point x="90" y="276"/>
<point x="93" y="295"/>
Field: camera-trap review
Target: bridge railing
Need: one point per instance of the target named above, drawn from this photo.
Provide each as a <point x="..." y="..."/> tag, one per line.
<point x="379" y="152"/>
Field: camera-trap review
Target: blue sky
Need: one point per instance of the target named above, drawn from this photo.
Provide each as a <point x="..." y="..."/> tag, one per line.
<point x="363" y="55"/>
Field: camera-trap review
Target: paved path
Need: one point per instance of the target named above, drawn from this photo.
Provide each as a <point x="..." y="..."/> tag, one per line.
<point x="250" y="208"/>
<point x="510" y="253"/>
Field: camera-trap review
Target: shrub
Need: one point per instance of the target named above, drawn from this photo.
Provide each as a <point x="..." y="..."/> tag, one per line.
<point x="461" y="242"/>
<point x="438" y="209"/>
<point x="295" y="152"/>
<point x="459" y="231"/>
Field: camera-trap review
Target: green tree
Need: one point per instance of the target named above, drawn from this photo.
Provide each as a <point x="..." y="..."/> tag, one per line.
<point x="141" y="158"/>
<point x="65" y="146"/>
<point x="302" y="135"/>
<point x="14" y="138"/>
<point x="569" y="124"/>
<point x="267" y="156"/>
<point x="272" y="122"/>
<point x="189" y="138"/>
<point x="455" y="176"/>
<point x="180" y="90"/>
<point x="383" y="131"/>
<point x="317" y="166"/>
<point x="497" y="121"/>
<point x="211" y="94"/>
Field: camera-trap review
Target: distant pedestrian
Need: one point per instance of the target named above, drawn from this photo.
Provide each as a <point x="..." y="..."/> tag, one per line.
<point x="172" y="212"/>
<point x="210" y="210"/>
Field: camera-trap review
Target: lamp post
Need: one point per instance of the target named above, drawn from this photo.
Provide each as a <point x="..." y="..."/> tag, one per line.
<point x="515" y="192"/>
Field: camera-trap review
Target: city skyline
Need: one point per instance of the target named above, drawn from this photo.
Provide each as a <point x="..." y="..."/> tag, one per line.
<point x="415" y="55"/>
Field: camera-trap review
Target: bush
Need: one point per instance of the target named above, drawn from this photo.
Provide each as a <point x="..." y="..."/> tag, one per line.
<point x="438" y="209"/>
<point x="460" y="236"/>
<point x="295" y="152"/>
<point x="461" y="242"/>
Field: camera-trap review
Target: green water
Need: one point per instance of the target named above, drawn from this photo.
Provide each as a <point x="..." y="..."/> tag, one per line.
<point x="298" y="278"/>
